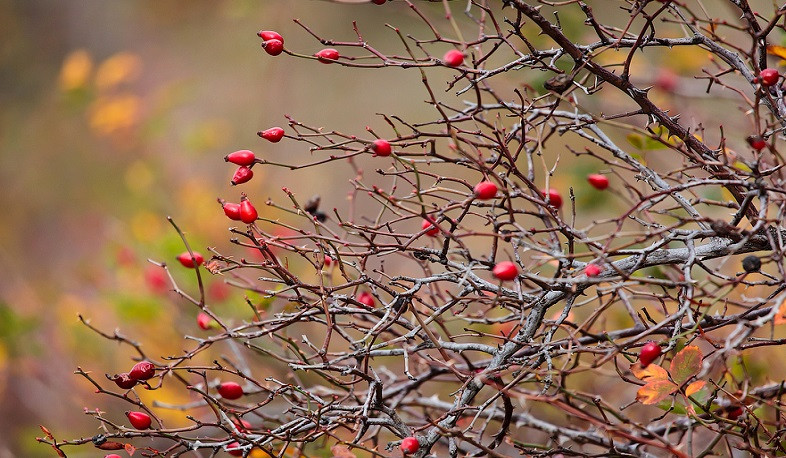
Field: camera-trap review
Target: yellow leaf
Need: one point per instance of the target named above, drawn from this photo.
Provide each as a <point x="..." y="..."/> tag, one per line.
<point x="76" y="70"/>
<point x="651" y="372"/>
<point x="739" y="165"/>
<point x="655" y="392"/>
<point x="776" y="50"/>
<point x="694" y="387"/>
<point x="121" y="67"/>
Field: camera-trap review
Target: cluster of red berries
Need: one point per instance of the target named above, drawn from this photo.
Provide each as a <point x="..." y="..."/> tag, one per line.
<point x="244" y="211"/>
<point x="246" y="159"/>
<point x="142" y="371"/>
<point x="273" y="42"/>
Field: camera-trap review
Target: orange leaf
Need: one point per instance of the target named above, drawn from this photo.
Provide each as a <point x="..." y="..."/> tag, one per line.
<point x="694" y="387"/>
<point x="780" y="318"/>
<point x="650" y="373"/>
<point x="686" y="364"/>
<point x="776" y="50"/>
<point x="655" y="392"/>
<point x="130" y="449"/>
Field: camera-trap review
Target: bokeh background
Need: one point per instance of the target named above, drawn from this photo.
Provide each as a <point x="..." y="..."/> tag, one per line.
<point x="114" y="115"/>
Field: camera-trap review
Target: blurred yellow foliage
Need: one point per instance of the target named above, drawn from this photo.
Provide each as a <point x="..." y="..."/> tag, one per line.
<point x="167" y="394"/>
<point x="146" y="226"/>
<point x="117" y="69"/>
<point x="76" y="70"/>
<point x="110" y="114"/>
<point x="139" y="177"/>
<point x="199" y="199"/>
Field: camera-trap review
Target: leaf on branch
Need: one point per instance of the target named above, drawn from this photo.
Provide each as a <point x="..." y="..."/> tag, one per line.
<point x="775" y="50"/>
<point x="695" y="387"/>
<point x="780" y="317"/>
<point x="650" y="373"/>
<point x="739" y="165"/>
<point x="636" y="140"/>
<point x="686" y="364"/>
<point x="130" y="449"/>
<point x="655" y="391"/>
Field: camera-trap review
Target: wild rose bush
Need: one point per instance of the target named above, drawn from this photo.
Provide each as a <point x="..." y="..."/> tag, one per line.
<point x="578" y="254"/>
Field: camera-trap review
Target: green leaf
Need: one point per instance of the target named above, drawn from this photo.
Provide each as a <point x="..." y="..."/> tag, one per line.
<point x="673" y="407"/>
<point x="686" y="364"/>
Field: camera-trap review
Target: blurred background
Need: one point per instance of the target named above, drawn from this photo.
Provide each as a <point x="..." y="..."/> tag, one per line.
<point x="114" y="115"/>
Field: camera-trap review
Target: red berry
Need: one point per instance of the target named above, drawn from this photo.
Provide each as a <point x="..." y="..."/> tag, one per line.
<point x="592" y="270"/>
<point x="112" y="455"/>
<point x="231" y="210"/>
<point x="505" y="270"/>
<point x="735" y="413"/>
<point x="598" y="181"/>
<point x="242" y="174"/>
<point x="248" y="214"/>
<point x="204" y="321"/>
<point x="267" y="35"/>
<point x="409" y="445"/>
<point x="143" y="370"/>
<point x="666" y="80"/>
<point x="453" y="58"/>
<point x="273" y="47"/>
<point x="155" y="279"/>
<point x="242" y="425"/>
<point x="139" y="420"/>
<point x="649" y="352"/>
<point x="187" y="261"/>
<point x="433" y="230"/>
<point x="230" y="390"/>
<point x="218" y="291"/>
<point x="328" y="261"/>
<point x="234" y="449"/>
<point x="273" y="135"/>
<point x="366" y="299"/>
<point x="381" y="147"/>
<point x="327" y="55"/>
<point x="485" y="190"/>
<point x="124" y="381"/>
<point x="242" y="157"/>
<point x="378" y="2"/>
<point x="555" y="199"/>
<point x="756" y="142"/>
<point x="769" y="76"/>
